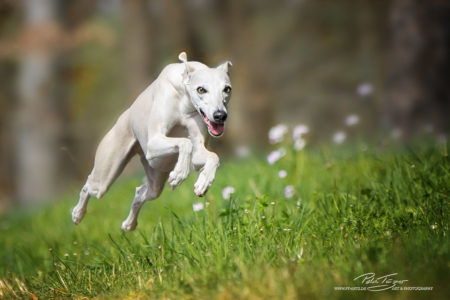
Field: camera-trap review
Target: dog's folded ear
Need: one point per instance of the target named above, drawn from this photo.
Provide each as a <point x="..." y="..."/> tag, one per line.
<point x="189" y="69"/>
<point x="182" y="57"/>
<point x="225" y="66"/>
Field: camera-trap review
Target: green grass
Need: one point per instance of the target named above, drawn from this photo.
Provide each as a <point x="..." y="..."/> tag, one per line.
<point x="353" y="212"/>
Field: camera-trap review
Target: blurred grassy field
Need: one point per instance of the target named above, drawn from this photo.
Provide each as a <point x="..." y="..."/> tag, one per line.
<point x="353" y="211"/>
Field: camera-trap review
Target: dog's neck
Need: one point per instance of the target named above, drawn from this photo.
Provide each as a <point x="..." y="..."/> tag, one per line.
<point x="186" y="105"/>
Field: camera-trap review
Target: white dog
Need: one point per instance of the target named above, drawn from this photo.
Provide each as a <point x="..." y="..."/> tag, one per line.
<point x="166" y="127"/>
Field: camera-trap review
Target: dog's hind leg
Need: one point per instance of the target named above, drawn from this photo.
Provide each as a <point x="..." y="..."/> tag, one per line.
<point x="79" y="210"/>
<point x="113" y="153"/>
<point x="151" y="189"/>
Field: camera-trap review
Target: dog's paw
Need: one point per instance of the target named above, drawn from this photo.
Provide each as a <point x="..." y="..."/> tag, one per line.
<point x="203" y="183"/>
<point x="77" y="215"/>
<point x="177" y="176"/>
<point x="129" y="226"/>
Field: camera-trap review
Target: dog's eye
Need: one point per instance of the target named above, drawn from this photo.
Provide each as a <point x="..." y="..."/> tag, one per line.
<point x="201" y="90"/>
<point x="227" y="89"/>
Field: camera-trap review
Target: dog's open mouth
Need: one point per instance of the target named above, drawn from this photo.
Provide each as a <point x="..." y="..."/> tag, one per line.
<point x="215" y="129"/>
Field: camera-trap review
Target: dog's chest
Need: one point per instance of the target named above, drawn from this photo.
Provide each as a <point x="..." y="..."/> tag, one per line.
<point x="178" y="131"/>
<point x="167" y="163"/>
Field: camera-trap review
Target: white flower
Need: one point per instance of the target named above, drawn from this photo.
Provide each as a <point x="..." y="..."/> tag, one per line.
<point x="299" y="144"/>
<point x="276" y="133"/>
<point x="227" y="191"/>
<point x="351" y="120"/>
<point x="282" y="173"/>
<point x="289" y="191"/>
<point x="242" y="151"/>
<point x="339" y="137"/>
<point x="433" y="226"/>
<point x="364" y="89"/>
<point x="197" y="206"/>
<point x="275" y="155"/>
<point x="299" y="131"/>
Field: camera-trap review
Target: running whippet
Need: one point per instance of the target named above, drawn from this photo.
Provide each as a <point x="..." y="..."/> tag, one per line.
<point x="166" y="127"/>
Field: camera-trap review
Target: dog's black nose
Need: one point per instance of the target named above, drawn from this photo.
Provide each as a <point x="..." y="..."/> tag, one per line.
<point x="220" y="116"/>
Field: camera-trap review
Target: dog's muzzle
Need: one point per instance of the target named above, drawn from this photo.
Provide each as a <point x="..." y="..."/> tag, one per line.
<point x="217" y="127"/>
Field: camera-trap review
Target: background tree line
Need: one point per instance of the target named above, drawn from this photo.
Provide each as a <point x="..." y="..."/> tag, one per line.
<point x="69" y="68"/>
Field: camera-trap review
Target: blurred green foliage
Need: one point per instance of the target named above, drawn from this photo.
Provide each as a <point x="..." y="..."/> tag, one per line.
<point x="352" y="212"/>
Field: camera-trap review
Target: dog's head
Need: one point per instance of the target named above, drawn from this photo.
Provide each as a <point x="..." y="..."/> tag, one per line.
<point x="210" y="91"/>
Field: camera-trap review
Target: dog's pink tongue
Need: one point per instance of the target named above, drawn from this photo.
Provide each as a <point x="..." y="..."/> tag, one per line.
<point x="216" y="129"/>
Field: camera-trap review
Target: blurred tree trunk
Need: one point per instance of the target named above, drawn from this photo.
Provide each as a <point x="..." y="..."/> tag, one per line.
<point x="177" y="27"/>
<point x="252" y="108"/>
<point x="6" y="153"/>
<point x="40" y="125"/>
<point x="8" y="13"/>
<point x="137" y="46"/>
<point x="419" y="69"/>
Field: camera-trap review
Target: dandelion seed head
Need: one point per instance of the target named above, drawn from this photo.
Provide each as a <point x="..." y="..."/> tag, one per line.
<point x="282" y="173"/>
<point x="352" y="120"/>
<point x="242" y="151"/>
<point x="274" y="156"/>
<point x="396" y="133"/>
<point x="364" y="89"/>
<point x="339" y="137"/>
<point x="299" y="144"/>
<point x="197" y="206"/>
<point x="276" y="133"/>
<point x="442" y="138"/>
<point x="227" y="191"/>
<point x="428" y="128"/>
<point x="299" y="131"/>
<point x="289" y="191"/>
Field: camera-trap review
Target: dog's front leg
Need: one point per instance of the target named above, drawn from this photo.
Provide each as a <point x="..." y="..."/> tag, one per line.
<point x="208" y="162"/>
<point x="160" y="146"/>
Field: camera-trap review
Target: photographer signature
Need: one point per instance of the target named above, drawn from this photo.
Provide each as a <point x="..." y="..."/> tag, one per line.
<point x="381" y="283"/>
